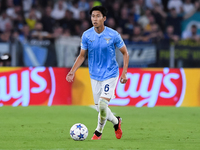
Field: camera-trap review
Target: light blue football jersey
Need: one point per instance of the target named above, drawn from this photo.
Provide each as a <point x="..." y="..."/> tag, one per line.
<point x="101" y="52"/>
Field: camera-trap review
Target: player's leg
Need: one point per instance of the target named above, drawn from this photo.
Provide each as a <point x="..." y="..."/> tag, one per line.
<point x="111" y="117"/>
<point x="96" y="89"/>
<point x="102" y="116"/>
<point x="101" y="106"/>
<point x="105" y="114"/>
<point x="109" y="93"/>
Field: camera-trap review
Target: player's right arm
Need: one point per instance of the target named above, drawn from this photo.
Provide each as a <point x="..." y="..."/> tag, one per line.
<point x="80" y="59"/>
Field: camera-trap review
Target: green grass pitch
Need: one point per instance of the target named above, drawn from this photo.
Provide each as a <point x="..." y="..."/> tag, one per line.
<point x="47" y="128"/>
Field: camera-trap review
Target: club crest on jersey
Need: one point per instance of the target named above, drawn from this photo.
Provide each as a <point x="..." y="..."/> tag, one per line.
<point x="107" y="40"/>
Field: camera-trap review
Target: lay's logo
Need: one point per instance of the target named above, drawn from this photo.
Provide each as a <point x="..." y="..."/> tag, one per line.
<point x="150" y="88"/>
<point x="27" y="86"/>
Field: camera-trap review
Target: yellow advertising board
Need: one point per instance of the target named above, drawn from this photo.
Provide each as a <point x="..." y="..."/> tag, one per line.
<point x="192" y="92"/>
<point x="81" y="88"/>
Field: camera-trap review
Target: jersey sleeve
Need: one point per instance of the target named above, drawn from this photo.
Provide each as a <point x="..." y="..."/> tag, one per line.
<point x="119" y="43"/>
<point x="84" y="45"/>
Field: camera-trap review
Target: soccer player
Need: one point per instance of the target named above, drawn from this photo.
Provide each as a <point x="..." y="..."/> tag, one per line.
<point x="100" y="42"/>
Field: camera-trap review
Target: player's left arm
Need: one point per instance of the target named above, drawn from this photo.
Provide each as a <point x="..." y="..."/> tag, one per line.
<point x="123" y="78"/>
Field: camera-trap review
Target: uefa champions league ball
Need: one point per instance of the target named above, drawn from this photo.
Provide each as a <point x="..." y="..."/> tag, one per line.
<point x="78" y="132"/>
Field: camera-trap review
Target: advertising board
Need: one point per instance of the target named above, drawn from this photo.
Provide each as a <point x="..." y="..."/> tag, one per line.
<point x="34" y="86"/>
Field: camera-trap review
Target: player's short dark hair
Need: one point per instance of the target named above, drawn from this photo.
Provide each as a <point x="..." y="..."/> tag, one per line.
<point x="102" y="9"/>
<point x="194" y="26"/>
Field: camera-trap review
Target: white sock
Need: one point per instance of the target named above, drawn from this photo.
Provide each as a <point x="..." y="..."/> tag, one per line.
<point x="111" y="117"/>
<point x="97" y="108"/>
<point x="102" y="116"/>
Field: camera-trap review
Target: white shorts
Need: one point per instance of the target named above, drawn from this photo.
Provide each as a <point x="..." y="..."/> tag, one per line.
<point x="104" y="88"/>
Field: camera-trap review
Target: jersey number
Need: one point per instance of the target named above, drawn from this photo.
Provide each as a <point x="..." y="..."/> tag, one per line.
<point x="106" y="89"/>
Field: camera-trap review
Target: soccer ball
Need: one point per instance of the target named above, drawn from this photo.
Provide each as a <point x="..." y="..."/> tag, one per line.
<point x="78" y="132"/>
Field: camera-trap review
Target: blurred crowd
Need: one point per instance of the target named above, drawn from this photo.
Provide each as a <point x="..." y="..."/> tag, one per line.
<point x="138" y="21"/>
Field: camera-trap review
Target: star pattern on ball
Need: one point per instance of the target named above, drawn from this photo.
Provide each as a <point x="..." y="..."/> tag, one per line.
<point x="72" y="133"/>
<point x="81" y="136"/>
<point x="79" y="126"/>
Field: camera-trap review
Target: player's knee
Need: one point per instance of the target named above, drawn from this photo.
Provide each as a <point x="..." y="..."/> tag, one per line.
<point x="103" y="104"/>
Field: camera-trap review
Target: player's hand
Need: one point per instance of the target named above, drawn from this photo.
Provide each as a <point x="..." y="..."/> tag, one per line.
<point x="70" y="76"/>
<point x="123" y="78"/>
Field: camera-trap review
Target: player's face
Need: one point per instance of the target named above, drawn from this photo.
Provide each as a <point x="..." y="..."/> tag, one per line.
<point x="97" y="19"/>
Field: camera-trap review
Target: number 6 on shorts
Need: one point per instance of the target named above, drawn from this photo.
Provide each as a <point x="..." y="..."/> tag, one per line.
<point x="106" y="88"/>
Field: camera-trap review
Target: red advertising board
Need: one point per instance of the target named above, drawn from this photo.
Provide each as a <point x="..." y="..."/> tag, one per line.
<point x="151" y="87"/>
<point x="34" y="86"/>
